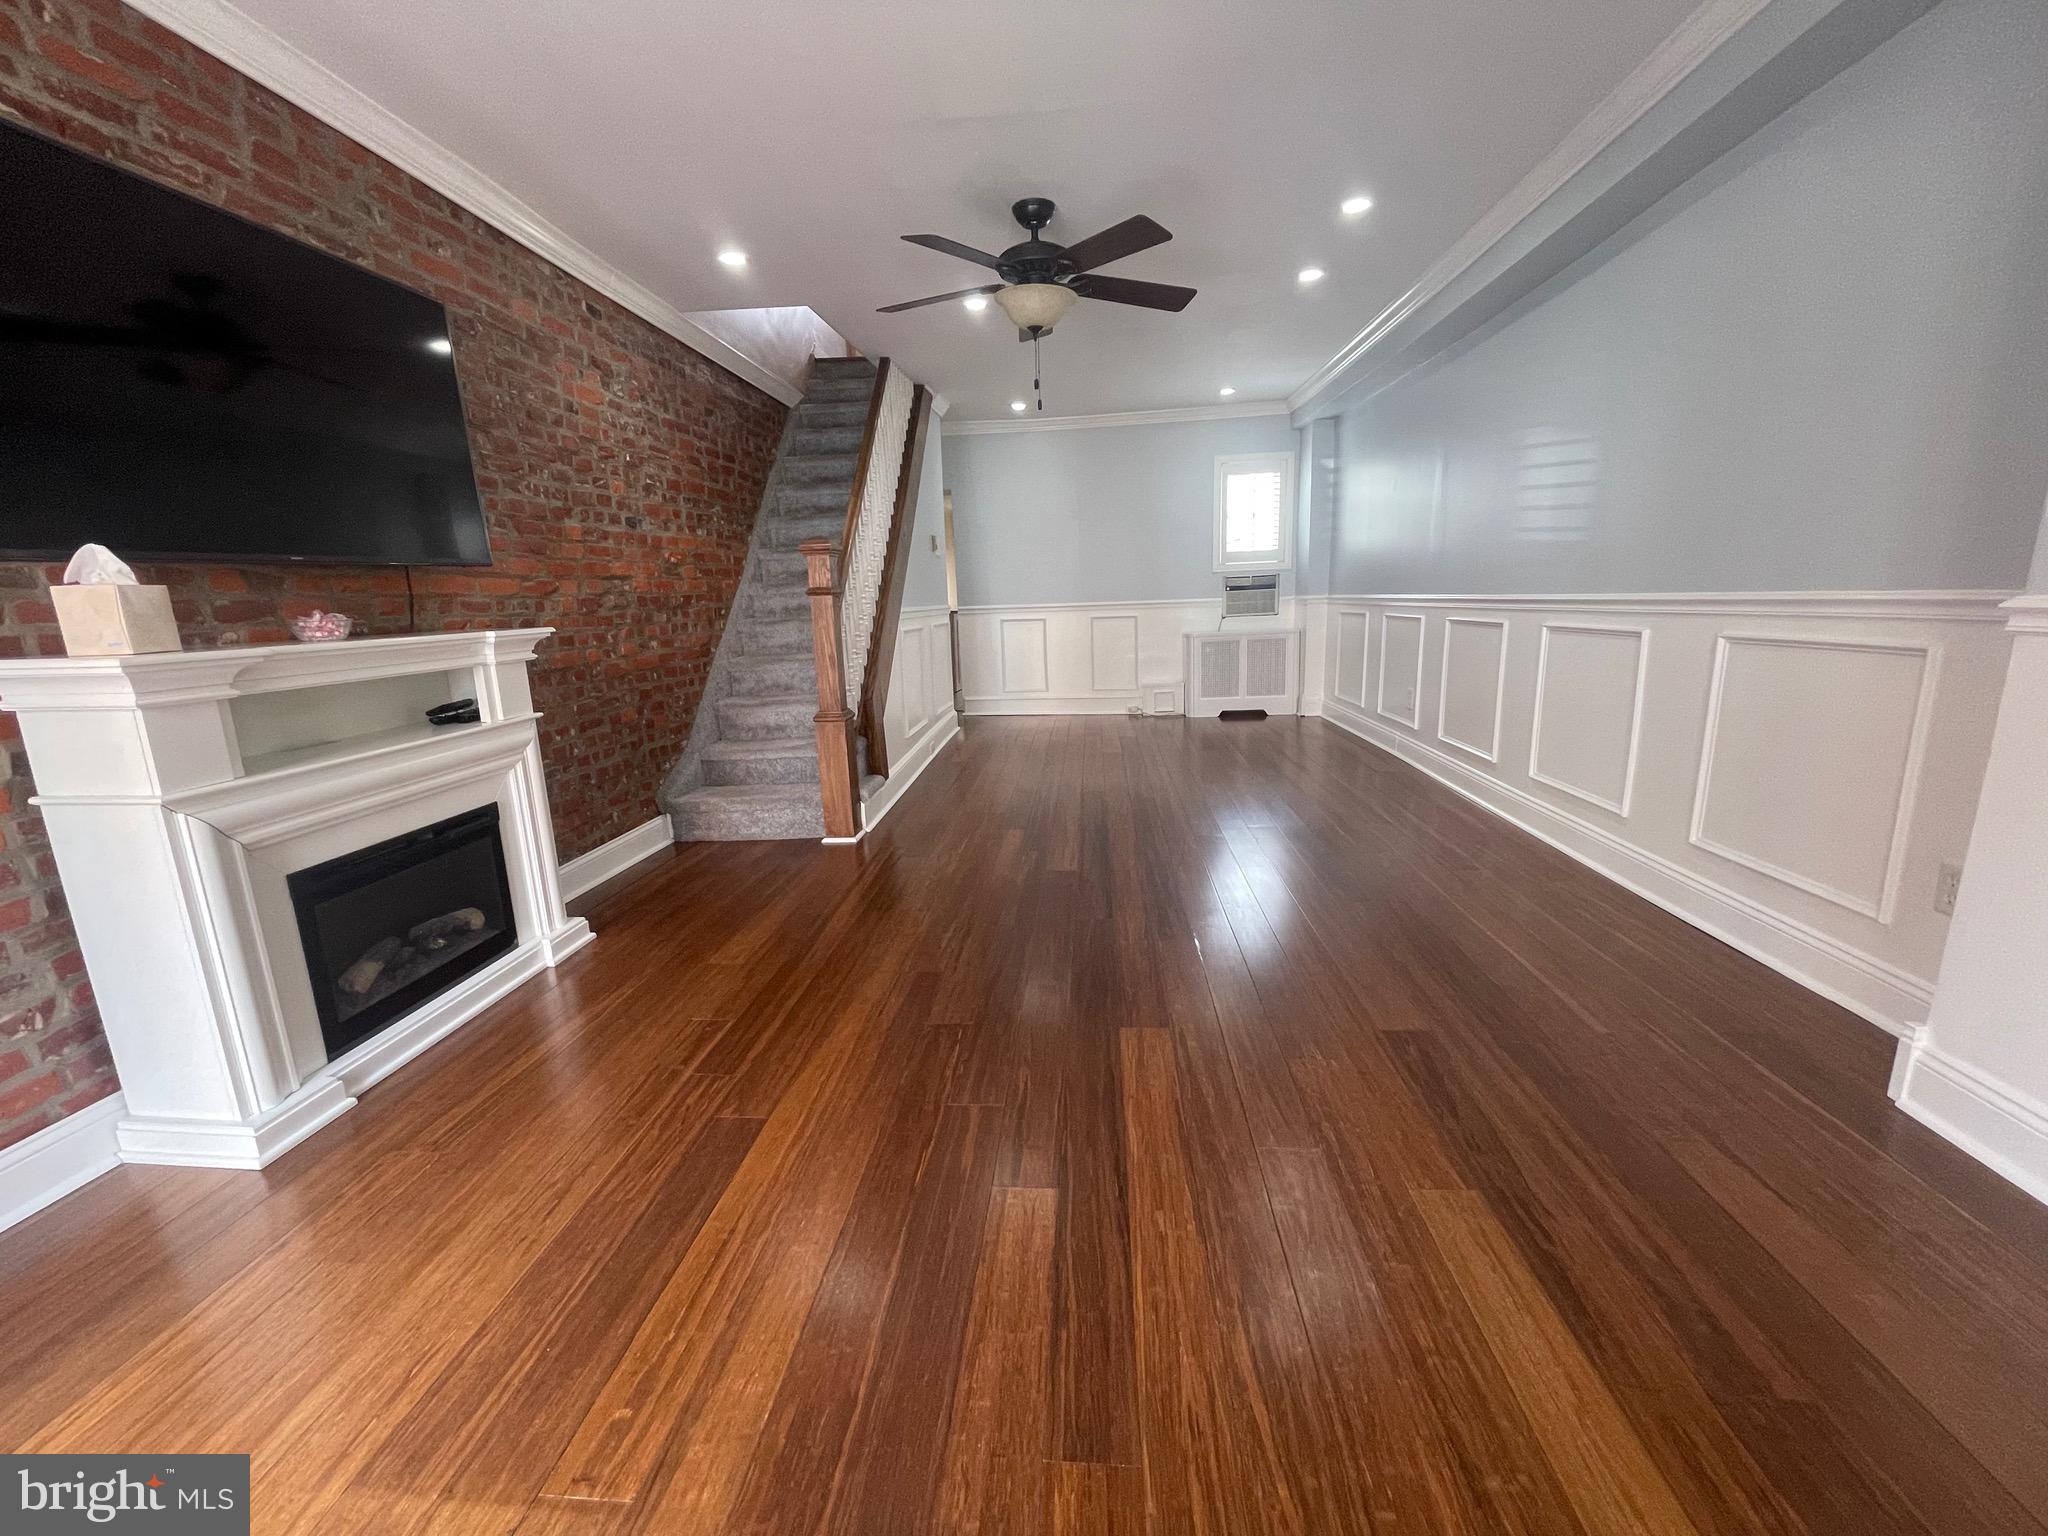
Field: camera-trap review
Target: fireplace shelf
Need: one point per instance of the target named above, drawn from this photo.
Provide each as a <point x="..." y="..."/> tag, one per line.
<point x="404" y="738"/>
<point x="182" y="793"/>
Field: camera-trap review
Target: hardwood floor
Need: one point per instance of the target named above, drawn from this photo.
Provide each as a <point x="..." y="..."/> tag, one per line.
<point x="1155" y="1127"/>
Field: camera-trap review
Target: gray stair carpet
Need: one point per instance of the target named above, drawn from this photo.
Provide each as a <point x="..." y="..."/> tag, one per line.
<point x="750" y="770"/>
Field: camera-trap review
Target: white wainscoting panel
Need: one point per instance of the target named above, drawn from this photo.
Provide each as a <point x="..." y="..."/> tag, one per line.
<point x="1793" y="768"/>
<point x="1353" y="627"/>
<point x="1589" y="711"/>
<point x="1113" y="652"/>
<point x="1087" y="658"/>
<point x="1473" y="685"/>
<point x="1400" y="682"/>
<point x="1811" y="762"/>
<point x="918" y="714"/>
<point x="1025" y="664"/>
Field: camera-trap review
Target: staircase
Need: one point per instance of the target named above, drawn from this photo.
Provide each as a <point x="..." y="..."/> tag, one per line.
<point x="750" y="770"/>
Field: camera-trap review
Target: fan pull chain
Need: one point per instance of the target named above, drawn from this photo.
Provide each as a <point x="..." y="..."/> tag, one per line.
<point x="1037" y="387"/>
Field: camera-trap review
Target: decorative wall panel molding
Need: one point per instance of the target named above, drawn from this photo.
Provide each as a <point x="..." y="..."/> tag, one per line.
<point x="1400" y="678"/>
<point x="1354" y="627"/>
<point x="1811" y="762"/>
<point x="1801" y="806"/>
<point x="1087" y="658"/>
<point x="1024" y="659"/>
<point x="1588" y="720"/>
<point x="1474" y="685"/>
<point x="1113" y="652"/>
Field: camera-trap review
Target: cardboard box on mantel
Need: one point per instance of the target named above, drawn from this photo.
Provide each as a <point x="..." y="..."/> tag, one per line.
<point x="113" y="620"/>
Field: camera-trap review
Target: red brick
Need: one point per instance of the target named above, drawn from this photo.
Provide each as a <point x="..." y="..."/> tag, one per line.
<point x="25" y="1094"/>
<point x="101" y="72"/>
<point x="620" y="472"/>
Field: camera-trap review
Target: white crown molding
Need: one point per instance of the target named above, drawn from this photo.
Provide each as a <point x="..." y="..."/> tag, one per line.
<point x="1649" y="83"/>
<point x="266" y="58"/>
<point x="1967" y="606"/>
<point x="1228" y="412"/>
<point x="1610" y="158"/>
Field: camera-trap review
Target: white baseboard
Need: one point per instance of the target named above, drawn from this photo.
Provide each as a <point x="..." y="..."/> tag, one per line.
<point x="589" y="870"/>
<point x="1887" y="997"/>
<point x="228" y="1144"/>
<point x="1049" y="704"/>
<point x="59" y="1158"/>
<point x="922" y="751"/>
<point x="1995" y="1123"/>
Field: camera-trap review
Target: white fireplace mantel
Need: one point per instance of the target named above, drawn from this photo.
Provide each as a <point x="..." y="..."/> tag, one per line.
<point x="181" y="789"/>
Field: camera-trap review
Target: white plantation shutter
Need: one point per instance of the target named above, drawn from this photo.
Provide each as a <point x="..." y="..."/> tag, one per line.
<point x="1253" y="509"/>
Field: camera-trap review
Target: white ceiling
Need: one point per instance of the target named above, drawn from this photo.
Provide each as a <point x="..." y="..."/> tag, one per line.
<point x="813" y="132"/>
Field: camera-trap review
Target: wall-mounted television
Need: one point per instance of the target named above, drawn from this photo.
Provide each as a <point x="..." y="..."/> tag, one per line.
<point x="178" y="383"/>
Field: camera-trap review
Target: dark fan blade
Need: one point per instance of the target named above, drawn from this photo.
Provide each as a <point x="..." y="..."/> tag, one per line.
<point x="939" y="298"/>
<point x="1116" y="242"/>
<point x="953" y="248"/>
<point x="1125" y="290"/>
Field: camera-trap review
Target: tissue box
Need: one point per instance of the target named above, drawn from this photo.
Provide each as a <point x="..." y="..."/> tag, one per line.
<point x="115" y="620"/>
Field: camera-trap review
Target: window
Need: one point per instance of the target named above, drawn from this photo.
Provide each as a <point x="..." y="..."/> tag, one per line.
<point x="1254" y="511"/>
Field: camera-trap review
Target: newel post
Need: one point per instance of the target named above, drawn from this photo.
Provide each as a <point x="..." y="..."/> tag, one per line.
<point x="838" y="780"/>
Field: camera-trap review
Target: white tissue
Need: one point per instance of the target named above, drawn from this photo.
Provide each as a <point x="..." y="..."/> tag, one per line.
<point x="98" y="566"/>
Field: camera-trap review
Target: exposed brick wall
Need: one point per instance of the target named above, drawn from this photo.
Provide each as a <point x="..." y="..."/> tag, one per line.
<point x="620" y="473"/>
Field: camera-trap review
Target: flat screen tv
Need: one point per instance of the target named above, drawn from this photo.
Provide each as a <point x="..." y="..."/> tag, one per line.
<point x="177" y="383"/>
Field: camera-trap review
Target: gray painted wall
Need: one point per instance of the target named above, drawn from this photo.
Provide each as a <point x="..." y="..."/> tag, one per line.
<point x="924" y="583"/>
<point x="1097" y="514"/>
<point x="1822" y="364"/>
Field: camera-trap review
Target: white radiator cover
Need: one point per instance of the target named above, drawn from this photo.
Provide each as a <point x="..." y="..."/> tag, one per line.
<point x="1243" y="669"/>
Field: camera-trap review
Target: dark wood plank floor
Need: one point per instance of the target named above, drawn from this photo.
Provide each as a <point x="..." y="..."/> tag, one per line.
<point x="1156" y="1127"/>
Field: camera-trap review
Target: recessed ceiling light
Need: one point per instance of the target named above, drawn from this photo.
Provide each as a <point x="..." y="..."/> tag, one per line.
<point x="1019" y="405"/>
<point x="975" y="303"/>
<point x="1309" y="275"/>
<point x="1352" y="207"/>
<point x="1227" y="390"/>
<point x="440" y="346"/>
<point x="733" y="258"/>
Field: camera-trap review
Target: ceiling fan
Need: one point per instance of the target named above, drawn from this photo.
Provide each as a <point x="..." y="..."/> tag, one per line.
<point x="1041" y="279"/>
<point x="1061" y="273"/>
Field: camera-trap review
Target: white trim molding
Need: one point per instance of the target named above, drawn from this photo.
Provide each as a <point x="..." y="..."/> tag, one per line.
<point x="1655" y="777"/>
<point x="609" y="859"/>
<point x="1413" y="718"/>
<point x="42" y="1169"/>
<point x="1620" y="805"/>
<point x="1994" y="1122"/>
<point x="1491" y="751"/>
<point x="908" y="770"/>
<point x="1706" y="87"/>
<point x="1886" y="901"/>
<point x="1089" y="658"/>
<point x="1987" y="606"/>
<point x="238" y="39"/>
<point x="1229" y="412"/>
<point x="1864" y="984"/>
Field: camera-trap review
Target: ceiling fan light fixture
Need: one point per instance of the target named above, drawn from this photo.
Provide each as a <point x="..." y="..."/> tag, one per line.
<point x="1035" y="306"/>
<point x="975" y="303"/>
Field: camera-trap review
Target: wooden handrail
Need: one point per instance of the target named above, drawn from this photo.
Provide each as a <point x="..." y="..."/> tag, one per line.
<point x="860" y="472"/>
<point x="889" y="601"/>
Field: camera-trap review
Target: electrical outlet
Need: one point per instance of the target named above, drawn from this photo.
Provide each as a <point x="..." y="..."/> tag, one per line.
<point x="1946" y="884"/>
